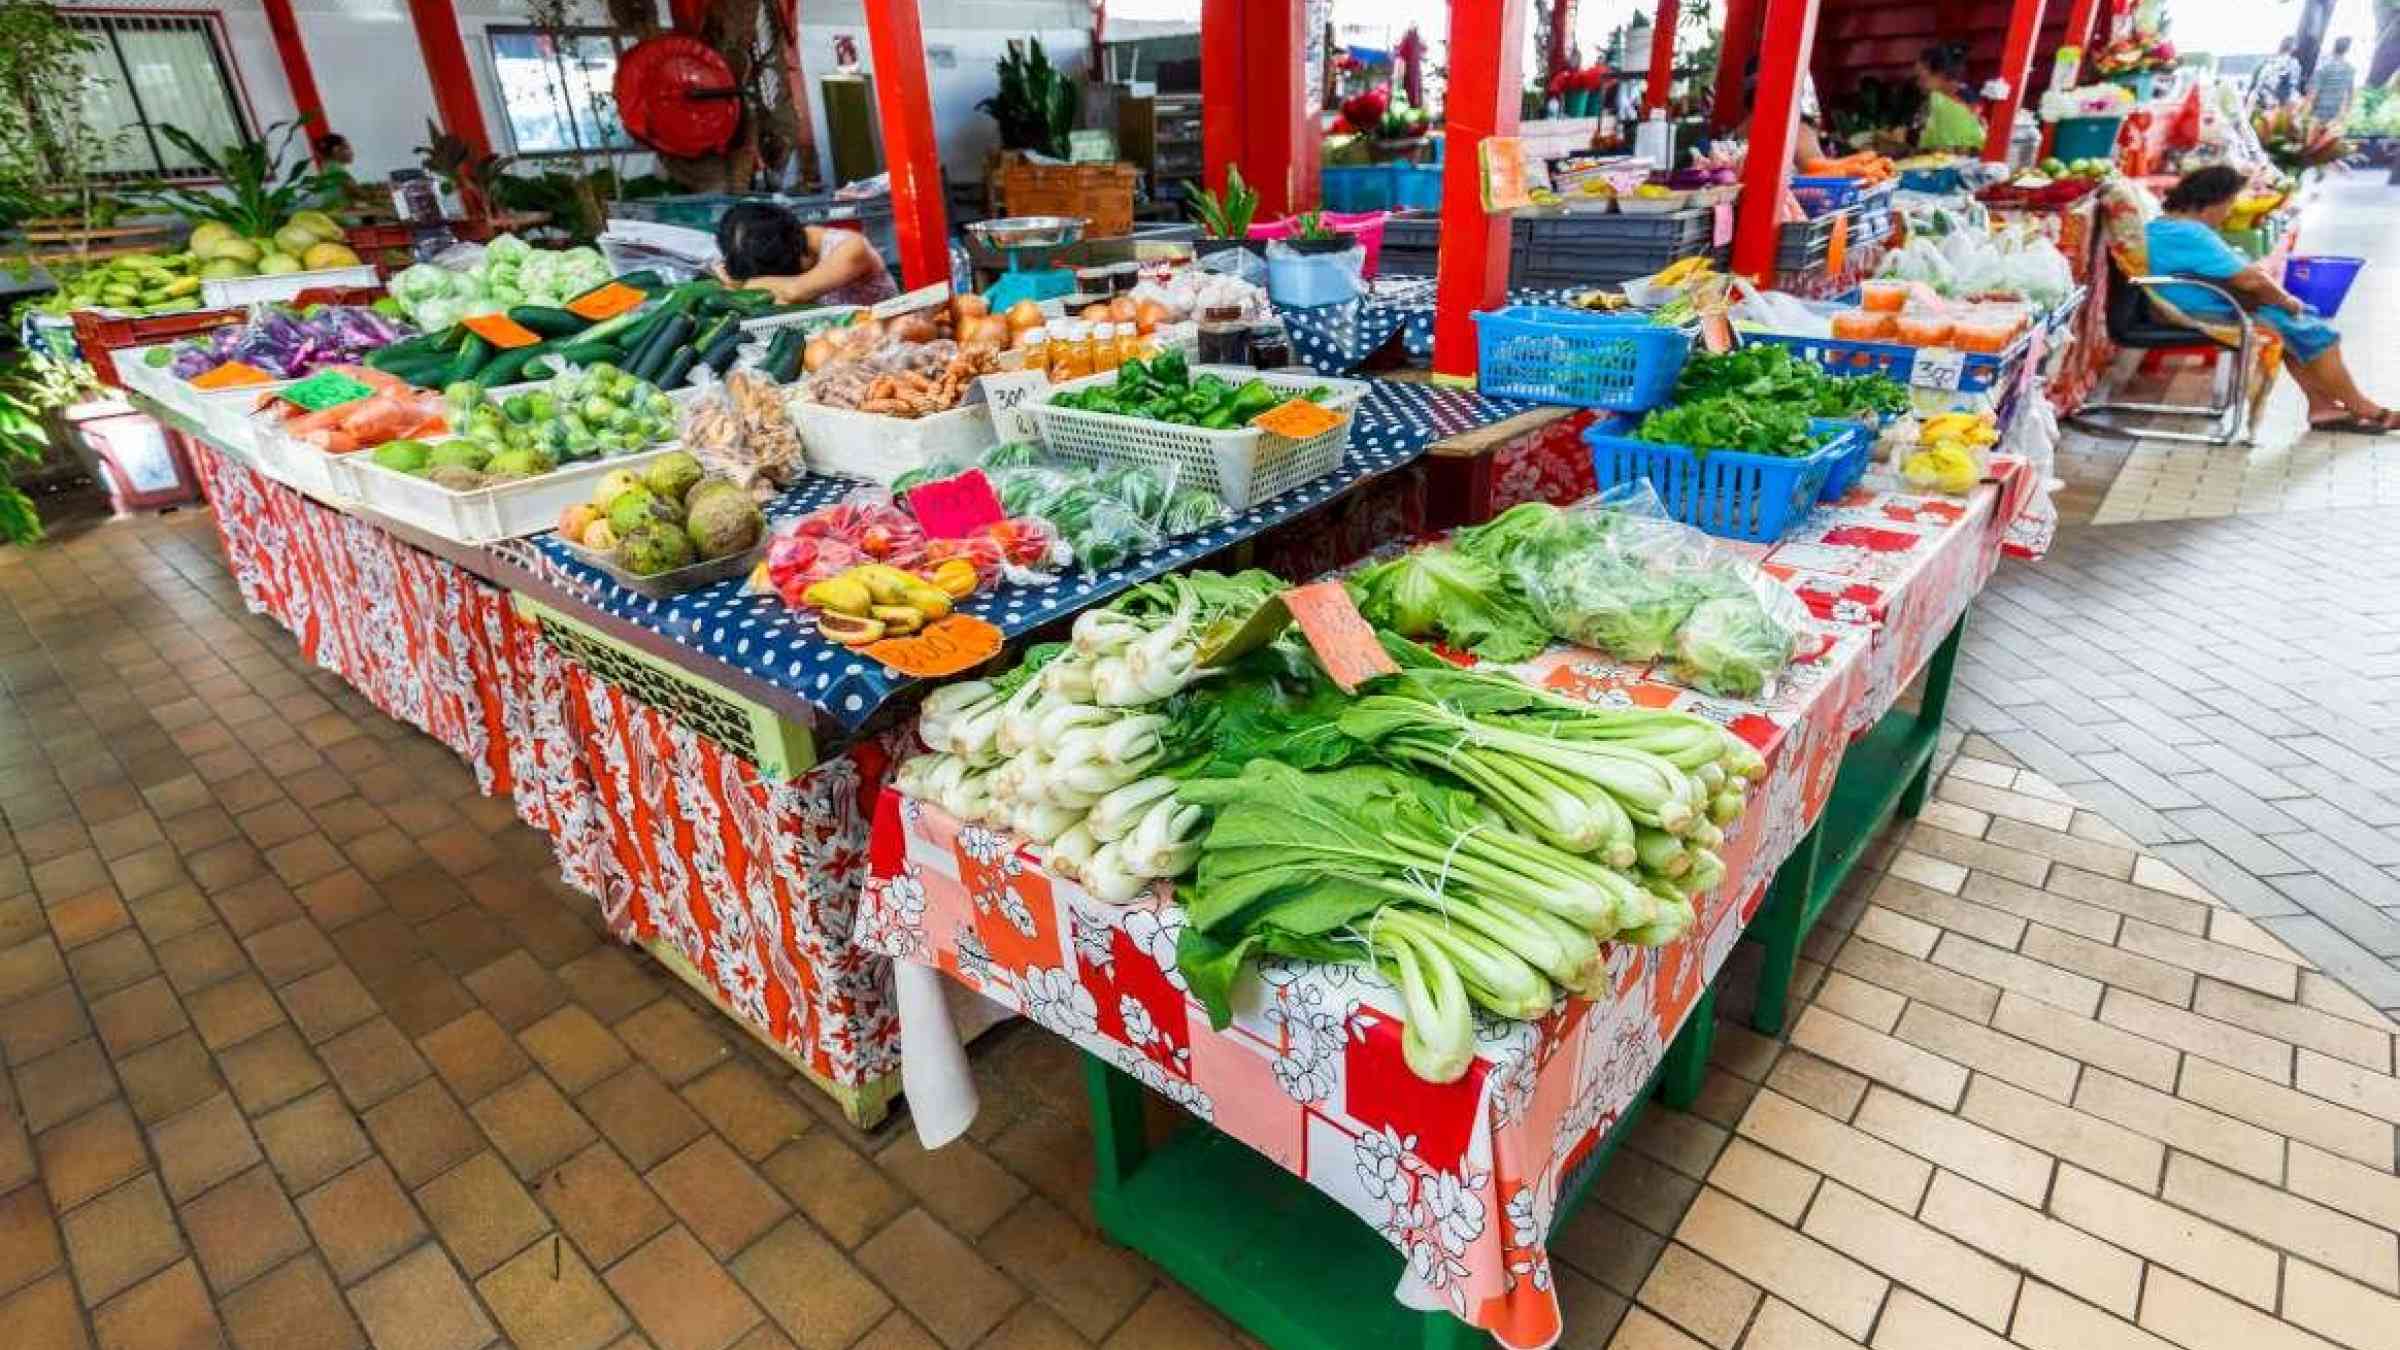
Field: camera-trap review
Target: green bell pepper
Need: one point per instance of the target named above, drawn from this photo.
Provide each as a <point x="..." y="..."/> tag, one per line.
<point x="1251" y="399"/>
<point x="1168" y="370"/>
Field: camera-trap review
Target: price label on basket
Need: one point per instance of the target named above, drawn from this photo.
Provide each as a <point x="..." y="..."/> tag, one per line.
<point x="1298" y="419"/>
<point x="605" y="302"/>
<point x="231" y="375"/>
<point x="953" y="508"/>
<point x="1009" y="392"/>
<point x="501" y="331"/>
<point x="1937" y="368"/>
<point x="326" y="389"/>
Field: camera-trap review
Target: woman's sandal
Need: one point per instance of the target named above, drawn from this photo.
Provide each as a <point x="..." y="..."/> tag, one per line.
<point x="2384" y="425"/>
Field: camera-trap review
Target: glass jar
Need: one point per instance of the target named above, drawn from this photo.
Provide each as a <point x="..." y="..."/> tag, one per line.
<point x="1106" y="356"/>
<point x="1224" y="337"/>
<point x="1033" y="349"/>
<point x="1270" y="345"/>
<point x="1123" y="277"/>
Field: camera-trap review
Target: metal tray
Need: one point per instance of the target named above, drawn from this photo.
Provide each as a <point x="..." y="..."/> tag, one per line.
<point x="665" y="585"/>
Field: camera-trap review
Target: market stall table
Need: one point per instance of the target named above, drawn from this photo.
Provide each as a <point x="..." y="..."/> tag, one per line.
<point x="1468" y="1179"/>
<point x="634" y="731"/>
<point x="1335" y="338"/>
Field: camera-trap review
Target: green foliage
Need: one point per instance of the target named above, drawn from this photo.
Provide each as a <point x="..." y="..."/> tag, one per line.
<point x="49" y="149"/>
<point x="1766" y="372"/>
<point x="23" y="442"/>
<point x="259" y="184"/>
<point x="1229" y="216"/>
<point x="474" y="177"/>
<point x="1731" y="423"/>
<point x="1467" y="601"/>
<point x="1036" y="104"/>
<point x="1311" y="225"/>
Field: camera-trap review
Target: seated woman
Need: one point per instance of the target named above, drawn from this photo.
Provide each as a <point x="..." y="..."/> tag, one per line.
<point x="766" y="248"/>
<point x="2185" y="241"/>
<point x="1949" y="122"/>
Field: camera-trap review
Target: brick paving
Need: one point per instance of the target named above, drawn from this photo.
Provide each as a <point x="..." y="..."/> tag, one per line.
<point x="308" y="1046"/>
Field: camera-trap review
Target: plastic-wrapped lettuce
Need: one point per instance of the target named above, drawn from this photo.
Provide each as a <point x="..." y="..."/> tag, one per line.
<point x="1732" y="647"/>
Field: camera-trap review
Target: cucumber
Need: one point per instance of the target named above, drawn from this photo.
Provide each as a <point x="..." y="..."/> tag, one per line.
<point x="677" y="367"/>
<point x="674" y="334"/>
<point x="718" y="355"/>
<point x="549" y="322"/>
<point x="509" y="366"/>
<point x="613" y="330"/>
<point x="472" y="355"/>
<point x="584" y="351"/>
<point x="645" y="281"/>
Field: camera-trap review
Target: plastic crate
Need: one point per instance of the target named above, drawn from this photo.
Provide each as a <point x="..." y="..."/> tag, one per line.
<point x="296" y="464"/>
<point x="1819" y="196"/>
<point x="1727" y="493"/>
<point x="1243" y="467"/>
<point x="1850" y="356"/>
<point x="486" y="515"/>
<point x="847" y="443"/>
<point x="1417" y="187"/>
<point x="1356" y="187"/>
<point x="781" y="748"/>
<point x="1412" y="245"/>
<point x="1583" y="360"/>
<point x="101" y="336"/>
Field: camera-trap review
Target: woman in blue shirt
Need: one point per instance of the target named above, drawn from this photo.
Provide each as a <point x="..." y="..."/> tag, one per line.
<point x="2185" y="241"/>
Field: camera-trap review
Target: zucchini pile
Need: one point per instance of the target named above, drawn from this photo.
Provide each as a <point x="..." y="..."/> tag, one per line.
<point x="682" y="326"/>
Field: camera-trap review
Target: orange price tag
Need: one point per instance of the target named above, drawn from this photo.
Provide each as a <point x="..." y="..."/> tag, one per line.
<point x="1837" y="249"/>
<point x="231" y="375"/>
<point x="948" y="645"/>
<point x="1341" y="637"/>
<point x="501" y="331"/>
<point x="607" y="302"/>
<point x="1298" y="419"/>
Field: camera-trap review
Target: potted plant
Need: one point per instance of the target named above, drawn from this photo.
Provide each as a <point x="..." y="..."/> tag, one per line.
<point x="1310" y="234"/>
<point x="1225" y="220"/>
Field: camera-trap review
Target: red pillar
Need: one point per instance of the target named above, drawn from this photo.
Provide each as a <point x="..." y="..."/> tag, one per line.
<point x="1487" y="81"/>
<point x="896" y="43"/>
<point x="1740" y="44"/>
<point x="1785" y="42"/>
<point x="445" y="54"/>
<point x="1258" y="105"/>
<point x="1662" y="54"/>
<point x="2016" y="67"/>
<point x="297" y="74"/>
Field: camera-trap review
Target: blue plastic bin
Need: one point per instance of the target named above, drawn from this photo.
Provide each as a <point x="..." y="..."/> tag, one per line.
<point x="1818" y="196"/>
<point x="1549" y="354"/>
<point x="1357" y="187"/>
<point x="1851" y="356"/>
<point x="1417" y="187"/>
<point x="1851" y="465"/>
<point x="2086" y="138"/>
<point x="2322" y="282"/>
<point x="1727" y="493"/>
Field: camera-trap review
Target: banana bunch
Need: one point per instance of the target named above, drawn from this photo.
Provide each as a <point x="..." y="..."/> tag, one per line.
<point x="872" y="601"/>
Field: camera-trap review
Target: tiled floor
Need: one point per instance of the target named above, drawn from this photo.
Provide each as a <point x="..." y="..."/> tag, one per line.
<point x="2216" y="667"/>
<point x="307" y="1047"/>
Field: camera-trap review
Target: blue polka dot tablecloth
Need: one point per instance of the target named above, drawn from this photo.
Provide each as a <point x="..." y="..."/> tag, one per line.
<point x="779" y="647"/>
<point x="1333" y="339"/>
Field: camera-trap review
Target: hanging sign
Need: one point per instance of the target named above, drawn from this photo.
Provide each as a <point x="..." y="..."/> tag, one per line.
<point x="1502" y="161"/>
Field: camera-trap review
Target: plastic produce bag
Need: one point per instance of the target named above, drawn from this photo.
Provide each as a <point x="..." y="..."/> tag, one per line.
<point x="741" y="427"/>
<point x="1777" y="312"/>
<point x="1306" y="279"/>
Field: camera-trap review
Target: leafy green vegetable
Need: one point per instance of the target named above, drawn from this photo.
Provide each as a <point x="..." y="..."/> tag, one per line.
<point x="1728" y="422"/>
<point x="1768" y="372"/>
<point x="1731" y="647"/>
<point x="1466" y="600"/>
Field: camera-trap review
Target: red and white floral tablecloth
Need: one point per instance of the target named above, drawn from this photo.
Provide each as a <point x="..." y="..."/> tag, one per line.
<point x="754" y="883"/>
<point x="1463" y="1178"/>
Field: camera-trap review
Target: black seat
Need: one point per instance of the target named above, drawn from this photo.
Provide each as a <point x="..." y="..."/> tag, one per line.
<point x="2134" y="322"/>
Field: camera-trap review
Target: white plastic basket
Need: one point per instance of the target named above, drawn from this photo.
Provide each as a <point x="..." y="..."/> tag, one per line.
<point x="296" y="464"/>
<point x="487" y="515"/>
<point x="233" y="292"/>
<point x="850" y="444"/>
<point x="136" y="373"/>
<point x="1243" y="467"/>
<point x="225" y="413"/>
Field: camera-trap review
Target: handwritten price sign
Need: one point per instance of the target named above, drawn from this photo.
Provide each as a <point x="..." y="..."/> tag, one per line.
<point x="1009" y="391"/>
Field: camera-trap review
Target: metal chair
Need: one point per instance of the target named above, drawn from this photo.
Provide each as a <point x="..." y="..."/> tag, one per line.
<point x="2134" y="322"/>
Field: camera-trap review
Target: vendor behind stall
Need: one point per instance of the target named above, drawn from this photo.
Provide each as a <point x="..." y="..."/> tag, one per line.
<point x="2185" y="241"/>
<point x="766" y="248"/>
<point x="1949" y="122"/>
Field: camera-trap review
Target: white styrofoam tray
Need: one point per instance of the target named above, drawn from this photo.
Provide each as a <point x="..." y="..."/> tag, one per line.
<point x="1243" y="467"/>
<point x="486" y="515"/>
<point x="850" y="444"/>
<point x="231" y="292"/>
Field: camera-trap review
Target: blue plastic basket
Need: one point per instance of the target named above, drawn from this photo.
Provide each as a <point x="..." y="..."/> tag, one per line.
<point x="1932" y="180"/>
<point x="1818" y="196"/>
<point x="1850" y="465"/>
<point x="1357" y="187"/>
<point x="1547" y="354"/>
<point x="1727" y="493"/>
<point x="2322" y="282"/>
<point x="1849" y="356"/>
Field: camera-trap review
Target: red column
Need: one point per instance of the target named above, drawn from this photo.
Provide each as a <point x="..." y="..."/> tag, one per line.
<point x="445" y="55"/>
<point x="1662" y="54"/>
<point x="1487" y="80"/>
<point x="1258" y="106"/>
<point x="1740" y="44"/>
<point x="2016" y="67"/>
<point x="297" y="75"/>
<point x="1789" y="36"/>
<point x="911" y="155"/>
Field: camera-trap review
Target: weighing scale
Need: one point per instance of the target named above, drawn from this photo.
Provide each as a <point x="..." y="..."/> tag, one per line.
<point x="1028" y="242"/>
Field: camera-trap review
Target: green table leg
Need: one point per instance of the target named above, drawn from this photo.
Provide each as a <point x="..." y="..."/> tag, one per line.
<point x="1117" y="1143"/>
<point x="1686" y="1064"/>
<point x="1884" y="774"/>
<point x="1929" y="712"/>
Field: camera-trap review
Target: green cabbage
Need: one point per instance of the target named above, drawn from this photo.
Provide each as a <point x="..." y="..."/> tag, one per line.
<point x="1466" y="601"/>
<point x="1732" y="647"/>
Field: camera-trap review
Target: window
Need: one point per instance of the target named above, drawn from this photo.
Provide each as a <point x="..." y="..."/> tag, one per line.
<point x="558" y="90"/>
<point x="160" y="70"/>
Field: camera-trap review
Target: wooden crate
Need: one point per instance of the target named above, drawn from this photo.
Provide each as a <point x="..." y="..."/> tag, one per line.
<point x="1101" y="194"/>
